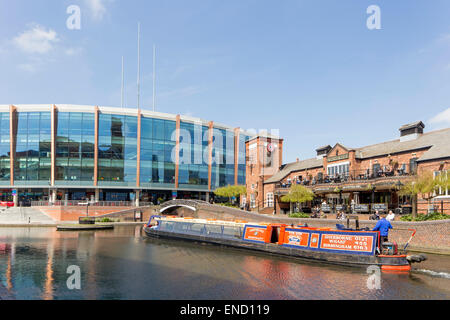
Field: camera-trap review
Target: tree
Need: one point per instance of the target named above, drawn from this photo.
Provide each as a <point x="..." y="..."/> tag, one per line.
<point x="298" y="194"/>
<point x="230" y="191"/>
<point x="424" y="185"/>
<point x="443" y="181"/>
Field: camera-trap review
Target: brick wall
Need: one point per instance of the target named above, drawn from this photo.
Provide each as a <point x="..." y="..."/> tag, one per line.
<point x="73" y="213"/>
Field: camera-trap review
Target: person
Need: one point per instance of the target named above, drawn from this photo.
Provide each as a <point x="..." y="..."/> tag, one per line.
<point x="339" y="215"/>
<point x="383" y="226"/>
<point x="343" y="216"/>
<point x="375" y="216"/>
<point x="391" y="216"/>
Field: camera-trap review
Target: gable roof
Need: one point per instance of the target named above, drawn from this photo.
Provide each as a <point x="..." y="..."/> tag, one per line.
<point x="293" y="167"/>
<point x="438" y="143"/>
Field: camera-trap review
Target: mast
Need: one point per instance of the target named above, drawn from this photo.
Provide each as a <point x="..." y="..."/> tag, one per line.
<point x="154" y="78"/>
<point x="121" y="99"/>
<point x="139" y="66"/>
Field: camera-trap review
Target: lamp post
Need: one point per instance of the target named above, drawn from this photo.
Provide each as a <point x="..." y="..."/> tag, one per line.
<point x="398" y="185"/>
<point x="50" y="191"/>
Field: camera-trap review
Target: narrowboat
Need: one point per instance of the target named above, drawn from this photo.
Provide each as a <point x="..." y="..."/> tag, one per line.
<point x="343" y="246"/>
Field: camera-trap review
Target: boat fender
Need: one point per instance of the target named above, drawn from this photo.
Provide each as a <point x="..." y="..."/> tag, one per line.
<point x="414" y="258"/>
<point x="423" y="257"/>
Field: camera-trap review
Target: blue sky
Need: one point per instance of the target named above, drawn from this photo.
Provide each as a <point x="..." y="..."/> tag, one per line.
<point x="311" y="69"/>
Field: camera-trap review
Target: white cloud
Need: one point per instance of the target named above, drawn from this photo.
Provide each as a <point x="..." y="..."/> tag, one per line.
<point x="36" y="40"/>
<point x="73" y="51"/>
<point x="442" y="119"/>
<point x="97" y="8"/>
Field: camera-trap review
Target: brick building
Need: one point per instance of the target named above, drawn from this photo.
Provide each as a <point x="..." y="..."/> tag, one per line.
<point x="354" y="179"/>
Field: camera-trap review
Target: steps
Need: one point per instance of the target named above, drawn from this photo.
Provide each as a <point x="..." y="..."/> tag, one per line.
<point x="23" y="216"/>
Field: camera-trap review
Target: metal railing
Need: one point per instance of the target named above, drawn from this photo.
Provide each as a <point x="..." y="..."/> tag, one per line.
<point x="76" y="203"/>
<point x="351" y="176"/>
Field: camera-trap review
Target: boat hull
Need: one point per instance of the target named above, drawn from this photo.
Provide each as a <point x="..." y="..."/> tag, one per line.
<point x="399" y="263"/>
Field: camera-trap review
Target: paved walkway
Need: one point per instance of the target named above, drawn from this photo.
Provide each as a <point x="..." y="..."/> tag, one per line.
<point x="20" y="216"/>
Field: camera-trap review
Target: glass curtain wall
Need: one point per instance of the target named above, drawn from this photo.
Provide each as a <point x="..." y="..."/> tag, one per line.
<point x="75" y="143"/>
<point x="117" y="151"/>
<point x="222" y="158"/>
<point x="158" y="141"/>
<point x="32" y="161"/>
<point x="193" y="168"/>
<point x="5" y="172"/>
<point x="241" y="159"/>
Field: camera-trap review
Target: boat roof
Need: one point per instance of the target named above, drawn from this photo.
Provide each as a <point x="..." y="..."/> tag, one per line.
<point x="236" y="223"/>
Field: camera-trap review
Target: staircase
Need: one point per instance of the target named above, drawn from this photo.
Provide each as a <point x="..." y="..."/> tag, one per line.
<point x="23" y="216"/>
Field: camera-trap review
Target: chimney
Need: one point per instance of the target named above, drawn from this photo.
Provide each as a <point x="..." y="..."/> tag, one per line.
<point x="411" y="131"/>
<point x="323" y="151"/>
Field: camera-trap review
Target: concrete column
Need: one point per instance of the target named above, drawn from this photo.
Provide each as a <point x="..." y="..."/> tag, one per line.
<point x="16" y="200"/>
<point x="53" y="196"/>
<point x="207" y="197"/>
<point x="97" y="195"/>
<point x="137" y="195"/>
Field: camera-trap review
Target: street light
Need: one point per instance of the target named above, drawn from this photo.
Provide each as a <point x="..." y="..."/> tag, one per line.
<point x="398" y="185"/>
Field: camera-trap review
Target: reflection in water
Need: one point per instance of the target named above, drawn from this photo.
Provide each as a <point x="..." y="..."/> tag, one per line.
<point x="48" y="287"/>
<point x="124" y="264"/>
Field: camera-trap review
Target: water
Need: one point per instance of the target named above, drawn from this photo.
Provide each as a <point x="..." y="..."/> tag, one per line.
<point x="124" y="264"/>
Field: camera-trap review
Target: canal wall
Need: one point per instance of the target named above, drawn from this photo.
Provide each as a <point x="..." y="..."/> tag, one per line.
<point x="72" y="213"/>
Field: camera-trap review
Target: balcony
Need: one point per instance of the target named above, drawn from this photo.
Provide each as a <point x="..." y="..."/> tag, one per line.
<point x="356" y="176"/>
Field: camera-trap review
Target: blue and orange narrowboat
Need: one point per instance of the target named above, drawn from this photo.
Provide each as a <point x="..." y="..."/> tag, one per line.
<point x="353" y="247"/>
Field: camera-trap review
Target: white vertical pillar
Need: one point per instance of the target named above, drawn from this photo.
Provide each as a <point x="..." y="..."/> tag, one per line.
<point x="53" y="197"/>
<point x="97" y="195"/>
<point x="137" y="195"/>
<point x="16" y="200"/>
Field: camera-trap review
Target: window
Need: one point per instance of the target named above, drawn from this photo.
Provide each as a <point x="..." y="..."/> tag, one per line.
<point x="413" y="166"/>
<point x="341" y="169"/>
<point x="252" y="201"/>
<point x="269" y="198"/>
<point x="444" y="175"/>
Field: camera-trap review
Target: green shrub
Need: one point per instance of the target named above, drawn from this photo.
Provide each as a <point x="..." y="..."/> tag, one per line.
<point x="426" y="217"/>
<point x="106" y="220"/>
<point x="299" y="215"/>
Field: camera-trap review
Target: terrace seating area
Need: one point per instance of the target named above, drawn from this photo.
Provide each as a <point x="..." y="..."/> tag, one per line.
<point x="351" y="176"/>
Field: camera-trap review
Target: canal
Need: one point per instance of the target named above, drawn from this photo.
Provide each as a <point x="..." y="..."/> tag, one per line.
<point x="124" y="264"/>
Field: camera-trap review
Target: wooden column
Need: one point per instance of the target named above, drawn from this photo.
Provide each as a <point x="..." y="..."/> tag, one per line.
<point x="53" y="145"/>
<point x="177" y="150"/>
<point x="96" y="147"/>
<point x="138" y="162"/>
<point x="12" y="143"/>
<point x="236" y="154"/>
<point x="210" y="146"/>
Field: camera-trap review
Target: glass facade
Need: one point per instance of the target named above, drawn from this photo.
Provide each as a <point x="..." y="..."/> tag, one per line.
<point x="75" y="144"/>
<point x="158" y="141"/>
<point x="241" y="159"/>
<point x="194" y="155"/>
<point x="117" y="150"/>
<point x="5" y="172"/>
<point x="222" y="158"/>
<point x="32" y="160"/>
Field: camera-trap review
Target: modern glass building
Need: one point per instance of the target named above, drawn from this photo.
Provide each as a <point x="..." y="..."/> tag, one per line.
<point x="69" y="152"/>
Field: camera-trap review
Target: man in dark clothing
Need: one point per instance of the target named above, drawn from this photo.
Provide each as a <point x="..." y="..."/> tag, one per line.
<point x="383" y="226"/>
